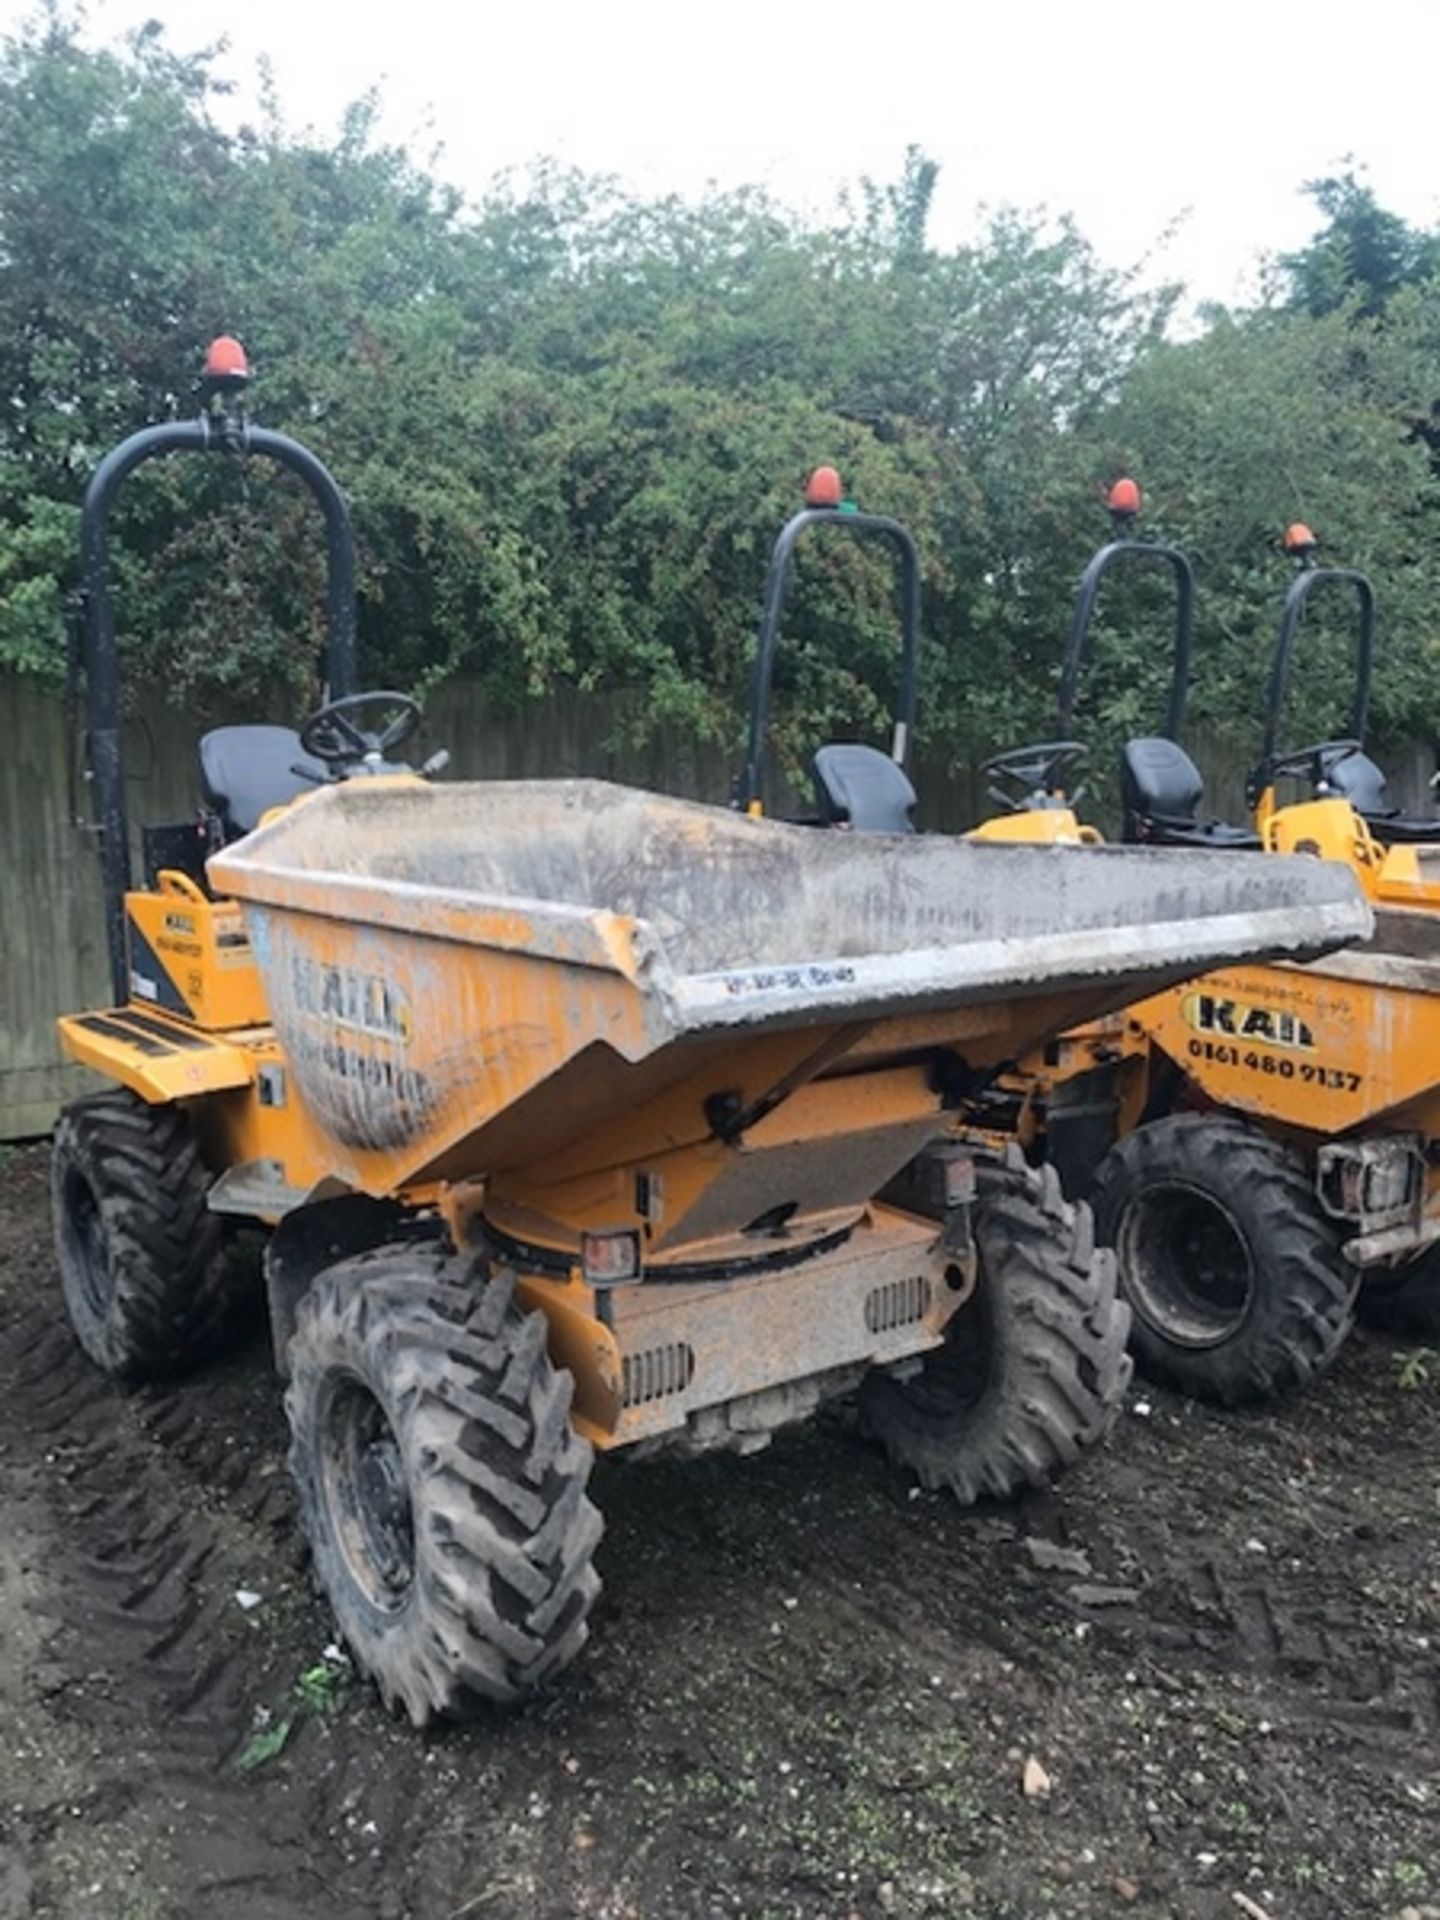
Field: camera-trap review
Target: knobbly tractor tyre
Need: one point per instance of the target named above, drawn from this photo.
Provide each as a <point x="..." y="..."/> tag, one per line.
<point x="1404" y="1300"/>
<point x="441" y="1483"/>
<point x="1234" y="1275"/>
<point x="1034" y="1366"/>
<point x="142" y="1260"/>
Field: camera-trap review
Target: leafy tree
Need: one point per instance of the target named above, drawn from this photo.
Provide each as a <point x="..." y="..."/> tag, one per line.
<point x="1362" y="256"/>
<point x="1266" y="419"/>
<point x="571" y="421"/>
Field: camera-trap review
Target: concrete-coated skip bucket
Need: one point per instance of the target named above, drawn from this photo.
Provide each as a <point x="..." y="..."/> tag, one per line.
<point x="467" y="978"/>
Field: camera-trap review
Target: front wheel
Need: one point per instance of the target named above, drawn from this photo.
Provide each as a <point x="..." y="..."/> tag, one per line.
<point x="1235" y="1276"/>
<point x="1033" y="1368"/>
<point x="441" y="1483"/>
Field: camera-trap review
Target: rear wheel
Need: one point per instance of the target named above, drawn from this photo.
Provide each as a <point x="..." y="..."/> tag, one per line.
<point x="1234" y="1274"/>
<point x="141" y="1257"/>
<point x="1033" y="1369"/>
<point x="441" y="1483"/>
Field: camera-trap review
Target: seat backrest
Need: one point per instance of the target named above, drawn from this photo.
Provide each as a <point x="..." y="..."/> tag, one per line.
<point x="860" y="787"/>
<point x="1356" y="778"/>
<point x="245" y="771"/>
<point x="1159" y="780"/>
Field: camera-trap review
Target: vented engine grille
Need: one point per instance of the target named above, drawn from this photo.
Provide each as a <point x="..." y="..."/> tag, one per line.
<point x="656" y="1373"/>
<point x="898" y="1303"/>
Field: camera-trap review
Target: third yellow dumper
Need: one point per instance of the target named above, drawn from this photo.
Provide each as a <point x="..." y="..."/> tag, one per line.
<point x="1273" y="1132"/>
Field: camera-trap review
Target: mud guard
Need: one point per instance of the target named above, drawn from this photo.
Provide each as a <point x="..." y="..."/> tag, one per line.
<point x="314" y="1237"/>
<point x="159" y="1059"/>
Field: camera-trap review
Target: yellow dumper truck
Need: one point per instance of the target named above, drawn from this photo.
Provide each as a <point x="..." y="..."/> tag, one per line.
<point x="571" y="1112"/>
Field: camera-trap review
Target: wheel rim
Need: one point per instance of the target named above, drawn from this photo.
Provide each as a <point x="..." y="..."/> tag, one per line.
<point x="83" y="1227"/>
<point x="1185" y="1265"/>
<point x="367" y="1494"/>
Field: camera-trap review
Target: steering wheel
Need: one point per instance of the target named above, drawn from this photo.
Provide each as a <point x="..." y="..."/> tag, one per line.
<point x="333" y="736"/>
<point x="1031" y="773"/>
<point x="1315" y="762"/>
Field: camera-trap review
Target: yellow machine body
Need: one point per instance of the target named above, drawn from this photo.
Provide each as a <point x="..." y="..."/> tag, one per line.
<point x="190" y="955"/>
<point x="1404" y="875"/>
<point x="1039" y="826"/>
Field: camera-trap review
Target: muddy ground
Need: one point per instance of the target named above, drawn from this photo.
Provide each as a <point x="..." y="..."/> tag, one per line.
<point x="811" y="1690"/>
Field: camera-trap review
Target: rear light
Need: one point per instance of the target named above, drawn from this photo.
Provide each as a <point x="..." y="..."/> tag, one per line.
<point x="1370" y="1181"/>
<point x="610" y="1259"/>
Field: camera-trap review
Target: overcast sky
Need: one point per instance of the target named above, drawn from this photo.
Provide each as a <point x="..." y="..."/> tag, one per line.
<point x="1130" y="116"/>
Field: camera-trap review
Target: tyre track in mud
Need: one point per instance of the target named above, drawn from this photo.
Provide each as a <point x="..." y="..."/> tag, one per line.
<point x="1298" y="1589"/>
<point x="1300" y="1629"/>
<point x="130" y="1551"/>
<point x="1279" y="1621"/>
<point x="149" y="1509"/>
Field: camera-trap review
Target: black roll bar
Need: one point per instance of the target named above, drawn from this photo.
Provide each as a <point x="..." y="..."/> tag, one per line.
<point x="748" y="794"/>
<point x="226" y="432"/>
<point x="1141" y="551"/>
<point x="1282" y="660"/>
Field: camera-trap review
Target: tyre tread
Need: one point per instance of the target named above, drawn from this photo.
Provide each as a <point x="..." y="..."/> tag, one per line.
<point x="506" y="1532"/>
<point x="1311" y="1310"/>
<point x="1064" y="1361"/>
<point x="173" y="1290"/>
